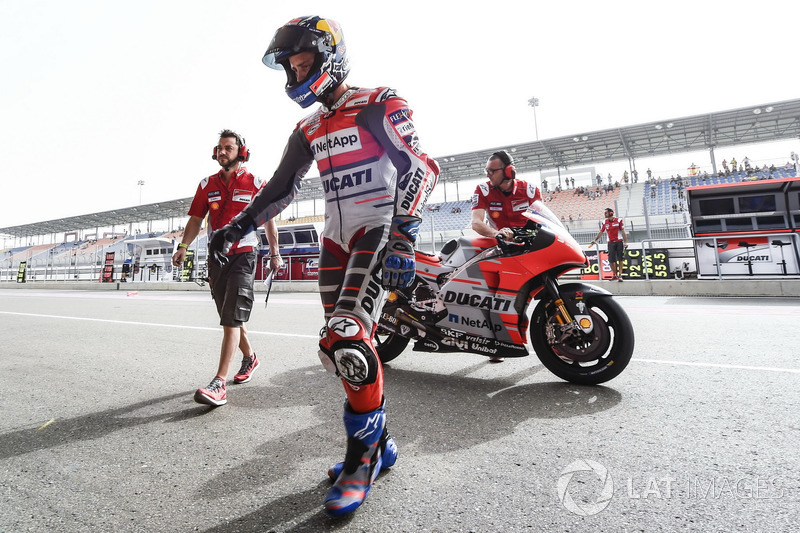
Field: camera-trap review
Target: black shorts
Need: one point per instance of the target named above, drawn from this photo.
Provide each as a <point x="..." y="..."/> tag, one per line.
<point x="615" y="251"/>
<point x="232" y="288"/>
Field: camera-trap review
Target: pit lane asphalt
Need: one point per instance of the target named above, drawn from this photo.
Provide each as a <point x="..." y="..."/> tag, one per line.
<point x="99" y="431"/>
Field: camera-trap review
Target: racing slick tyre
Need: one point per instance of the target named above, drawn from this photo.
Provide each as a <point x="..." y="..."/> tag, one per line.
<point x="389" y="345"/>
<point x="579" y="357"/>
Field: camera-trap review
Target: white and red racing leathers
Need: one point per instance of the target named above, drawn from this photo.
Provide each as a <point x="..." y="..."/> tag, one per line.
<point x="372" y="168"/>
<point x="369" y="159"/>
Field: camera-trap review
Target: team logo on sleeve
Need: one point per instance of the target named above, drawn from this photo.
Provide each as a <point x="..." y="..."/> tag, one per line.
<point x="400" y="116"/>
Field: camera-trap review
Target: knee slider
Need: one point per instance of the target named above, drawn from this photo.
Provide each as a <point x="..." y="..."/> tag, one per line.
<point x="353" y="355"/>
<point x="324" y="353"/>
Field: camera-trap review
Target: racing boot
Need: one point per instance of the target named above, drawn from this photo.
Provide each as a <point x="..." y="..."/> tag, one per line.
<point x="362" y="461"/>
<point x="388" y="456"/>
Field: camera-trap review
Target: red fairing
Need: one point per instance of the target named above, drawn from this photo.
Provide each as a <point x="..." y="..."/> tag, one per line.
<point x="490" y="287"/>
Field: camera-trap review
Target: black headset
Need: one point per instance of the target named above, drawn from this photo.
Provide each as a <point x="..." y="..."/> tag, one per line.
<point x="509" y="171"/>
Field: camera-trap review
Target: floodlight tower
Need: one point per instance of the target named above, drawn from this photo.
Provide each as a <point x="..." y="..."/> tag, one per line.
<point x="534" y="103"/>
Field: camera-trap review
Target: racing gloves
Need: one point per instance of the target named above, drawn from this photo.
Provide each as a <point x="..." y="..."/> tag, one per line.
<point x="399" y="267"/>
<point x="224" y="238"/>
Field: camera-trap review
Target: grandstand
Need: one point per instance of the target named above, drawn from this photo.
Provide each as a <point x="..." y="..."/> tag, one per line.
<point x="578" y="209"/>
<point x="646" y="206"/>
<point x="665" y="196"/>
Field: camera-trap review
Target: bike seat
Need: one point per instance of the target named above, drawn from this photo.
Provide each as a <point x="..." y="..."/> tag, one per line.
<point x="456" y="252"/>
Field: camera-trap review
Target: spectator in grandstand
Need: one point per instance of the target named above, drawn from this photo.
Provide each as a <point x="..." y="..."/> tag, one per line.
<point x="222" y="196"/>
<point x="376" y="179"/>
<point x="733" y="164"/>
<point x="617" y="242"/>
<point x="649" y="174"/>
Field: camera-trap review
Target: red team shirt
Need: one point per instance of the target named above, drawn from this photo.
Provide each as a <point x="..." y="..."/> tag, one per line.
<point x="505" y="211"/>
<point x="223" y="202"/>
<point x="611" y="227"/>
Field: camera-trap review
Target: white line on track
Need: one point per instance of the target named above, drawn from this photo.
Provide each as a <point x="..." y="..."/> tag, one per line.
<point x="126" y="322"/>
<point x="718" y="365"/>
<point x="654" y="361"/>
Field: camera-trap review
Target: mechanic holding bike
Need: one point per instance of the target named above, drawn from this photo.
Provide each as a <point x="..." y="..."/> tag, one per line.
<point x="498" y="204"/>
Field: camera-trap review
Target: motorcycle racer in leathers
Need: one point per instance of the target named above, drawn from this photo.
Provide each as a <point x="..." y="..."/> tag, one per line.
<point x="376" y="179"/>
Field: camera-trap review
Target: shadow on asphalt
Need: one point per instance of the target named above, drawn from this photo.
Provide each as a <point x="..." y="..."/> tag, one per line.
<point x="435" y="413"/>
<point x="93" y="426"/>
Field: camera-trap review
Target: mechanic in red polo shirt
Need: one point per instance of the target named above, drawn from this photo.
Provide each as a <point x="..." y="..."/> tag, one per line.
<point x="617" y="242"/>
<point x="223" y="196"/>
<point x="498" y="204"/>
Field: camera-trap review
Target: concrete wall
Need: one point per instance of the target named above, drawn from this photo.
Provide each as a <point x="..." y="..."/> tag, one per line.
<point x="689" y="287"/>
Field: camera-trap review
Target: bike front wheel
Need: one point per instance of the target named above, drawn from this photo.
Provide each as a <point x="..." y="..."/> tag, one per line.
<point x="579" y="357"/>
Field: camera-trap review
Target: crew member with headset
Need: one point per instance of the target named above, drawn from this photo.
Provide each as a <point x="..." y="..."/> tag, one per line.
<point x="222" y="196"/>
<point x="498" y="204"/>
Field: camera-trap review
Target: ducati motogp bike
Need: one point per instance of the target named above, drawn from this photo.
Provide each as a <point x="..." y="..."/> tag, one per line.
<point x="474" y="296"/>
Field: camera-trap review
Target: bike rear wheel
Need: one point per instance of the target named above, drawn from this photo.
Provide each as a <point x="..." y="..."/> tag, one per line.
<point x="585" y="359"/>
<point x="389" y="345"/>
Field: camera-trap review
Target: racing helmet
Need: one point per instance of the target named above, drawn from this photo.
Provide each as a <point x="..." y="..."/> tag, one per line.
<point x="331" y="65"/>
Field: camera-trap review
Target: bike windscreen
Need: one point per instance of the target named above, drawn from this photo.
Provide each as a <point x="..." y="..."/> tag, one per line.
<point x="539" y="213"/>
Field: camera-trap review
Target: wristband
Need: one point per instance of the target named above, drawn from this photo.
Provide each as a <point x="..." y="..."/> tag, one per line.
<point x="183" y="245"/>
<point x="274" y="256"/>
